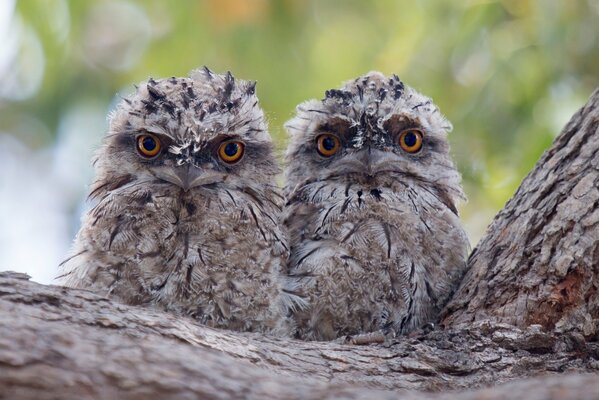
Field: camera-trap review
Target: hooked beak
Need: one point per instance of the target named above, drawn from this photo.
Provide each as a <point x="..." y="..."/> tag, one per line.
<point x="189" y="176"/>
<point x="366" y="163"/>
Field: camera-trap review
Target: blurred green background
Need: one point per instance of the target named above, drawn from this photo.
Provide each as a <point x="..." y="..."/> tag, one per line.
<point x="508" y="74"/>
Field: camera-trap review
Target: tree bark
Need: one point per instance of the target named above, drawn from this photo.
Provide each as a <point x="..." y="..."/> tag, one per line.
<point x="539" y="260"/>
<point x="527" y="309"/>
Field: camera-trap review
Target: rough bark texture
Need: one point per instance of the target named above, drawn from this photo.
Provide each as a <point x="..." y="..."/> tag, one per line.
<point x="539" y="261"/>
<point x="528" y="309"/>
<point x="56" y="341"/>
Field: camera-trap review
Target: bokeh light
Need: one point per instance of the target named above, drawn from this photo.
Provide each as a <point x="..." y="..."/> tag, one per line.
<point x="507" y="73"/>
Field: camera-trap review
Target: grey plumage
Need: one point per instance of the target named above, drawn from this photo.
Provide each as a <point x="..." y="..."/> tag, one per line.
<point x="376" y="242"/>
<point x="183" y="229"/>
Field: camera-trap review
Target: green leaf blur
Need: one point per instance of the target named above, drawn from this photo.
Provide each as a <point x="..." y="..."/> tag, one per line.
<point x="508" y="74"/>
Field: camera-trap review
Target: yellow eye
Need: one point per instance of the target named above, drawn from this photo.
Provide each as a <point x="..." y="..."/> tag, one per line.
<point x="410" y="140"/>
<point x="327" y="145"/>
<point x="148" y="145"/>
<point x="231" y="151"/>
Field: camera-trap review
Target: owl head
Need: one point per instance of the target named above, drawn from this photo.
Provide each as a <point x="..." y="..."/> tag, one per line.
<point x="187" y="133"/>
<point x="373" y="131"/>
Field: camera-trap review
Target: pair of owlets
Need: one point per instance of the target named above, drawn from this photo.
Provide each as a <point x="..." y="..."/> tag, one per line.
<point x="189" y="218"/>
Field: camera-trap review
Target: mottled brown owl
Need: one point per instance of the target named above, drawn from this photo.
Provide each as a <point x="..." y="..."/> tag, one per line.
<point x="187" y="207"/>
<point x="375" y="238"/>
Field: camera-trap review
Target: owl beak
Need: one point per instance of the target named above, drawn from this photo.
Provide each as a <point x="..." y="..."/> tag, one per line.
<point x="368" y="160"/>
<point x="189" y="176"/>
<point x="373" y="161"/>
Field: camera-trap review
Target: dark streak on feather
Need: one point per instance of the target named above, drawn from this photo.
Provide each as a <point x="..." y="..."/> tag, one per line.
<point x="301" y="260"/>
<point x="256" y="221"/>
<point x="326" y="215"/>
<point x="231" y="197"/>
<point x="71" y="257"/>
<point x="155" y="94"/>
<point x="229" y="85"/>
<point x="388" y="238"/>
<point x="376" y="193"/>
<point x="353" y="230"/>
<point x="115" y="230"/>
<point x="110" y="185"/>
<point x="345" y="204"/>
<point x="251" y="88"/>
<point x="200" y="255"/>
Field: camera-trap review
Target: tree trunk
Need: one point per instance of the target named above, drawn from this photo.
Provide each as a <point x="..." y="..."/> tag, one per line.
<point x="539" y="260"/>
<point x="527" y="309"/>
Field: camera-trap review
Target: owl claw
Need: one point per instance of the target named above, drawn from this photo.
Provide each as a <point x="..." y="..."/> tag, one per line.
<point x="365" y="338"/>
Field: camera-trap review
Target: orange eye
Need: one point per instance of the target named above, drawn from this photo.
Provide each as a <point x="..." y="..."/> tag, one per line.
<point x="410" y="140"/>
<point x="231" y="151"/>
<point x="327" y="145"/>
<point x="148" y="145"/>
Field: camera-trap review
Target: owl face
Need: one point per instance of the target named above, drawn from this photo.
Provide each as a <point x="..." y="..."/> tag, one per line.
<point x="187" y="133"/>
<point x="374" y="131"/>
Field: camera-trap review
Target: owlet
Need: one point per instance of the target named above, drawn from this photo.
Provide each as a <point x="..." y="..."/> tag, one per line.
<point x="187" y="207"/>
<point x="375" y="239"/>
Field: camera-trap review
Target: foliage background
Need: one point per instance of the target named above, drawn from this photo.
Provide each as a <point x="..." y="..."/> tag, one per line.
<point x="508" y="74"/>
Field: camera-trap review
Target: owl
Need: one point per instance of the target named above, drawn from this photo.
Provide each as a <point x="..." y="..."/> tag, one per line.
<point x="187" y="208"/>
<point x="371" y="192"/>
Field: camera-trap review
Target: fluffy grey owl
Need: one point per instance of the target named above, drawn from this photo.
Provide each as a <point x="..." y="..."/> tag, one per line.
<point x="375" y="239"/>
<point x="187" y="206"/>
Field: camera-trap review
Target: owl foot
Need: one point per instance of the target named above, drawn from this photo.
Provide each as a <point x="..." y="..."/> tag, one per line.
<point x="363" y="339"/>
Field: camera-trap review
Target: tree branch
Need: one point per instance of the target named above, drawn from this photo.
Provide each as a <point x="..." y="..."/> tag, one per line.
<point x="57" y="341"/>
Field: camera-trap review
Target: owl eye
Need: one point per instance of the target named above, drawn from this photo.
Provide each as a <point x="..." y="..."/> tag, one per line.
<point x="410" y="140"/>
<point x="231" y="151"/>
<point x="148" y="145"/>
<point x="327" y="145"/>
